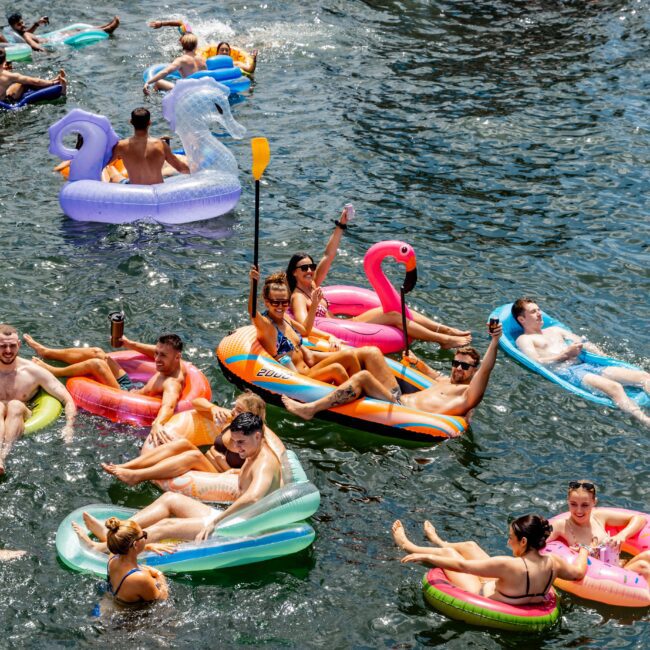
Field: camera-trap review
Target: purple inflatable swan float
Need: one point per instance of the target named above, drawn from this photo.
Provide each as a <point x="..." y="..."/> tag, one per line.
<point x="211" y="189"/>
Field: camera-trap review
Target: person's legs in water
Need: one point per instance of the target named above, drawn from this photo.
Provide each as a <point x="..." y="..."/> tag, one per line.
<point x="617" y="392"/>
<point x="12" y="424"/>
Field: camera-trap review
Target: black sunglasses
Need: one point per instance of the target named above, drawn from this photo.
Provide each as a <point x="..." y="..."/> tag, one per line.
<point x="576" y="485"/>
<point x="307" y="267"/>
<point x="278" y="303"/>
<point x="462" y="364"/>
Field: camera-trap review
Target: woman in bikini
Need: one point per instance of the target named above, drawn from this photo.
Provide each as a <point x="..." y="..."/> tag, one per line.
<point x="520" y="580"/>
<point x="281" y="337"/>
<point x="305" y="278"/>
<point x="127" y="581"/>
<point x="585" y="527"/>
<point x="178" y="456"/>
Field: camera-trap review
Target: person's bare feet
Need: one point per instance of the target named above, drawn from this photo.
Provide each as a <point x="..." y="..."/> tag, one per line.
<point x="399" y="536"/>
<point x="83" y="536"/>
<point x="6" y="555"/>
<point x="431" y="535"/>
<point x="112" y="26"/>
<point x="63" y="81"/>
<point x="127" y="476"/>
<point x="37" y="347"/>
<point x="94" y="526"/>
<point x="303" y="411"/>
<point x="109" y="468"/>
<point x="449" y="342"/>
<point x="42" y="364"/>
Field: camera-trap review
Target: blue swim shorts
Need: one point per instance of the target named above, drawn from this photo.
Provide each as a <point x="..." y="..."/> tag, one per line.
<point x="575" y="373"/>
<point x="125" y="382"/>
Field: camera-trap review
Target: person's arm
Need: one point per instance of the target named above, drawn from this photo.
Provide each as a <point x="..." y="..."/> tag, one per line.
<point x="527" y="346"/>
<point x="575" y="570"/>
<point x="631" y="526"/>
<point x="16" y="77"/>
<point x="330" y="250"/>
<point x="258" y="488"/>
<point x="479" y="381"/>
<point x="258" y="320"/>
<point x="32" y="41"/>
<point x="418" y="364"/>
<point x="178" y="164"/>
<point x="174" y="65"/>
<point x="493" y="567"/>
<point x="172" y="389"/>
<point x="43" y="20"/>
<point x="50" y="384"/>
<point x="143" y="348"/>
<point x="157" y="24"/>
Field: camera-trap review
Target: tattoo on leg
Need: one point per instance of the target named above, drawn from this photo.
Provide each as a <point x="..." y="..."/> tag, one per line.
<point x="343" y="396"/>
<point x="396" y="394"/>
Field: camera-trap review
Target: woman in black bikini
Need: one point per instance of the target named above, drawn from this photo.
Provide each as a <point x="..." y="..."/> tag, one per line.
<point x="126" y="581"/>
<point x="281" y="337"/>
<point x="520" y="580"/>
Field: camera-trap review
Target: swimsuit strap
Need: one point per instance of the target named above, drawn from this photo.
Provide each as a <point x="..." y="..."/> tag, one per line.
<point x="108" y="578"/>
<point x="527" y="576"/>
<point x="284" y="343"/>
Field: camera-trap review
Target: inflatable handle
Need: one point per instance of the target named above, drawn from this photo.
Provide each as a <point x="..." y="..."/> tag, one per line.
<point x="219" y="61"/>
<point x="99" y="138"/>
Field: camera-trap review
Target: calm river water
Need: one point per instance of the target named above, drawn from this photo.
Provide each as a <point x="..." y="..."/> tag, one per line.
<point x="508" y="142"/>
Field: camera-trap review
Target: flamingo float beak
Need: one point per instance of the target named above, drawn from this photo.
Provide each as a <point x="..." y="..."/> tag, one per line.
<point x="411" y="278"/>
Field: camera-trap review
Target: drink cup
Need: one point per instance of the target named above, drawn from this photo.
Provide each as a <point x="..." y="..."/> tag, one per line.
<point x="349" y="211"/>
<point x="493" y="324"/>
<point x="117" y="328"/>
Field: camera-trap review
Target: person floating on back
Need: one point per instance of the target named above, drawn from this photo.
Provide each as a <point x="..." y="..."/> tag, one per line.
<point x="13" y="85"/>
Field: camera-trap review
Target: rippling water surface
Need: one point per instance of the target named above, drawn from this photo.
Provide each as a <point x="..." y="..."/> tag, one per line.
<point x="507" y="141"/>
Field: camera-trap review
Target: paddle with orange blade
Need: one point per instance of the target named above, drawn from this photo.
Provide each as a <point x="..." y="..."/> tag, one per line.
<point x="261" y="157"/>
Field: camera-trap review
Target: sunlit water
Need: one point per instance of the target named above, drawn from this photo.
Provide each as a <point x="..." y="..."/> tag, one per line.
<point x="507" y="141"/>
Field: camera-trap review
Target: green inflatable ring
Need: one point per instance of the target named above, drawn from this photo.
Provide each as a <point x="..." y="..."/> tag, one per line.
<point x="45" y="410"/>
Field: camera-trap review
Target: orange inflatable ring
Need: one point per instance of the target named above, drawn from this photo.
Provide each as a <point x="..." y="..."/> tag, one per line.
<point x="124" y="406"/>
<point x="117" y="165"/>
<point x="205" y="486"/>
<point x="237" y="55"/>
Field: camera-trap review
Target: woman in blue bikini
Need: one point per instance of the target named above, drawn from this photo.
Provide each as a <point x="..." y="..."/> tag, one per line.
<point x="520" y="580"/>
<point x="128" y="582"/>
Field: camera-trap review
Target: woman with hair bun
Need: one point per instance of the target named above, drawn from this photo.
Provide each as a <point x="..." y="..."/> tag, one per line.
<point x="126" y="581"/>
<point x="523" y="579"/>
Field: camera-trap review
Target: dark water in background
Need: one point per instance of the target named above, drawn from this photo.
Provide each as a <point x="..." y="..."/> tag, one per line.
<point x="507" y="141"/>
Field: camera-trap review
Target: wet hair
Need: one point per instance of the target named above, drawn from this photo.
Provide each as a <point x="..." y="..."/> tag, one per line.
<point x="534" y="528"/>
<point x="470" y="352"/>
<point x="247" y="423"/>
<point x="275" y="281"/>
<point x="171" y="339"/>
<point x="291" y="267"/>
<point x="189" y="41"/>
<point x="252" y="403"/>
<point x="121" y="535"/>
<point x="15" y="18"/>
<point x="519" y="307"/>
<point x="140" y="118"/>
<point x="223" y="43"/>
<point x="7" y="330"/>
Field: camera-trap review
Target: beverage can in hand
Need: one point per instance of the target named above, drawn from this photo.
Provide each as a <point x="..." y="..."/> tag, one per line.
<point x="117" y="328"/>
<point x="349" y="211"/>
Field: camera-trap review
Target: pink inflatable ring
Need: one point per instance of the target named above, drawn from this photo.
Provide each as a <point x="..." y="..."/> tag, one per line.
<point x="123" y="406"/>
<point x="605" y="583"/>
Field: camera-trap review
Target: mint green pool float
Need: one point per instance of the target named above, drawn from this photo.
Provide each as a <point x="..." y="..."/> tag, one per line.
<point x="270" y="528"/>
<point x="45" y="410"/>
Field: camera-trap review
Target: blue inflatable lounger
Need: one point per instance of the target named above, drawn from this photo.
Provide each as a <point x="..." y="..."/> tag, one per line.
<point x="512" y="330"/>
<point x="272" y="527"/>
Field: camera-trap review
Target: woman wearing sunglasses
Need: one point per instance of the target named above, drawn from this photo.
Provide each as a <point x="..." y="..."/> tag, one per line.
<point x="586" y="527"/>
<point x="178" y="456"/>
<point x="305" y="278"/>
<point x="281" y="337"/>
<point x="523" y="579"/>
<point x="127" y="581"/>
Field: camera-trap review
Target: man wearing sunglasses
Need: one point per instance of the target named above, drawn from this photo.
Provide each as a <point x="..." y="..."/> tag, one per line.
<point x="457" y="394"/>
<point x="560" y="349"/>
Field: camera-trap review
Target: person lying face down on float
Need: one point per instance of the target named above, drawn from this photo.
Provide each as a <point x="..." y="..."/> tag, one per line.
<point x="454" y="395"/>
<point x="177" y="516"/>
<point x="166" y="383"/>
<point x="558" y="348"/>
<point x="13" y="85"/>
<point x="20" y="379"/>
<point x="143" y="156"/>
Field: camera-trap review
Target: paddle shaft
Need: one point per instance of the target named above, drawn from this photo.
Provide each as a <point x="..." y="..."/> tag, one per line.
<point x="256" y="246"/>
<point x="406" y="336"/>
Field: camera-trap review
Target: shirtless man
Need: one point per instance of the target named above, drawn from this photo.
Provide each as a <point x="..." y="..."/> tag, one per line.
<point x="455" y="395"/>
<point x="560" y="349"/>
<point x="14" y="84"/>
<point x="143" y="156"/>
<point x="20" y="379"/>
<point x="167" y="383"/>
<point x="177" y="516"/>
<point x="188" y="63"/>
<point x="18" y="26"/>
